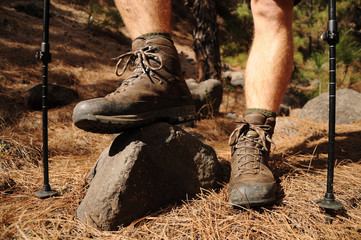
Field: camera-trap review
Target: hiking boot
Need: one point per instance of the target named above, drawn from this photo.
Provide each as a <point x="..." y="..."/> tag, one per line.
<point x="251" y="183"/>
<point x="154" y="91"/>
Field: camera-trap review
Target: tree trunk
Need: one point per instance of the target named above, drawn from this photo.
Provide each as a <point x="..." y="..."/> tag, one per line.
<point x="205" y="39"/>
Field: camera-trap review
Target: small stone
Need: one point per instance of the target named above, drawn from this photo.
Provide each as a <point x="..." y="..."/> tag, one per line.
<point x="231" y="115"/>
<point x="234" y="78"/>
<point x="207" y="95"/>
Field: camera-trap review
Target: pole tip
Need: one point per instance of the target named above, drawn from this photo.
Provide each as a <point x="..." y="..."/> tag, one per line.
<point x="42" y="194"/>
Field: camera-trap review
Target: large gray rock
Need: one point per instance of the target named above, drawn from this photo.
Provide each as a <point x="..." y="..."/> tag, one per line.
<point x="145" y="169"/>
<point x="207" y="95"/>
<point x="348" y="107"/>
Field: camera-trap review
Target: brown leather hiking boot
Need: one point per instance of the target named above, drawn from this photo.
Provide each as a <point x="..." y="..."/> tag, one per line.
<point x="251" y="183"/>
<point x="154" y="91"/>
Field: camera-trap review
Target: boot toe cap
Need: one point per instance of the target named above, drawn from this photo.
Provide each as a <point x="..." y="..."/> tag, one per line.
<point x="86" y="110"/>
<point x="252" y="194"/>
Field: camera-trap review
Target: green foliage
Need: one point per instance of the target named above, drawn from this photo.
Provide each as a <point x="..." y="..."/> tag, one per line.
<point x="236" y="34"/>
<point x="321" y="71"/>
<point x="311" y="53"/>
<point x="104" y="14"/>
<point x="229" y="88"/>
<point x="319" y="58"/>
<point x="243" y="11"/>
<point x="316" y="70"/>
<point x="310" y="21"/>
<point x="237" y="60"/>
<point x="3" y="149"/>
<point x="349" y="49"/>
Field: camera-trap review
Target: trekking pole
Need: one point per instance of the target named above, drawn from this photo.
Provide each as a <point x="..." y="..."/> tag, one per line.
<point x="331" y="36"/>
<point x="45" y="56"/>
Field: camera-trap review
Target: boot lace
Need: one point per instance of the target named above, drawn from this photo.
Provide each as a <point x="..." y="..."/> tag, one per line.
<point x="250" y="150"/>
<point x="144" y="55"/>
<point x="141" y="60"/>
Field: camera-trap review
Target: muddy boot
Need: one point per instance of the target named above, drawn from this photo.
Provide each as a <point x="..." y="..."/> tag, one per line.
<point x="251" y="183"/>
<point x="154" y="91"/>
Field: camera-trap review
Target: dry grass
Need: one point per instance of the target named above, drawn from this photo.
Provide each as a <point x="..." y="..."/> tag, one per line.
<point x="299" y="160"/>
<point x="301" y="175"/>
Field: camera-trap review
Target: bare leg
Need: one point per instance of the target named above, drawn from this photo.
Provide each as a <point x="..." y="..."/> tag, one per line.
<point x="270" y="61"/>
<point x="267" y="74"/>
<point x="142" y="16"/>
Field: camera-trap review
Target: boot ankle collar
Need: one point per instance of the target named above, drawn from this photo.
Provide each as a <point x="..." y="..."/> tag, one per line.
<point x="265" y="112"/>
<point x="255" y="118"/>
<point x="157" y="34"/>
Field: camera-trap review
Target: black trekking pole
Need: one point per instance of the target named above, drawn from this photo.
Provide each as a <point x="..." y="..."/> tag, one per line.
<point x="45" y="56"/>
<point x="331" y="36"/>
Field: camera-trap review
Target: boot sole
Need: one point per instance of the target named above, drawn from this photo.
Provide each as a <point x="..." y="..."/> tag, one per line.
<point x="253" y="204"/>
<point x="239" y="197"/>
<point x="119" y="123"/>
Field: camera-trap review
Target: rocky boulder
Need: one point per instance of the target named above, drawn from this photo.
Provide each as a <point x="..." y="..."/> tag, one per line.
<point x="348" y="107"/>
<point x="234" y="78"/>
<point x="145" y="169"/>
<point x="207" y="95"/>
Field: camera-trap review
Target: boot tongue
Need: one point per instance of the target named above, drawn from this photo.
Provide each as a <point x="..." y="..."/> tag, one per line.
<point x="138" y="44"/>
<point x="252" y="134"/>
<point x="255" y="118"/>
<point x="260" y="120"/>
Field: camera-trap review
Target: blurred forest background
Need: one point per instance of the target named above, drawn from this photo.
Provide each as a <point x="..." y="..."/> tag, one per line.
<point x="235" y="32"/>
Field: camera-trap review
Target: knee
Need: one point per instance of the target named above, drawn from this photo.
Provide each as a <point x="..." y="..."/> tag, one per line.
<point x="271" y="10"/>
